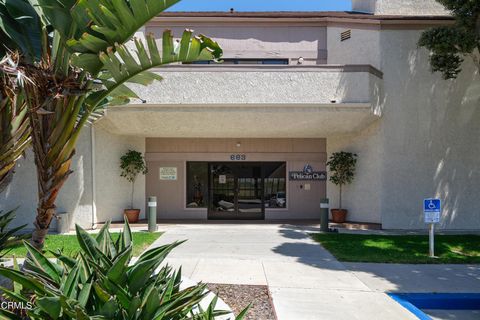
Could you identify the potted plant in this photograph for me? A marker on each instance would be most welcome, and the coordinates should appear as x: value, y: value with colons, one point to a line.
x: 132, y: 164
x: 342, y: 167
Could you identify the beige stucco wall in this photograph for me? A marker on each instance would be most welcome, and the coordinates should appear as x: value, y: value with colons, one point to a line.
x: 214, y: 85
x: 112, y: 191
x: 74, y: 198
x: 425, y: 144
x: 362, y: 48
x: 399, y: 7
x: 430, y: 136
x: 363, y: 197
x: 301, y: 203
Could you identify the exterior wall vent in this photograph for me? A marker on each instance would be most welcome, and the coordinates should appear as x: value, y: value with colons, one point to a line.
x: 345, y: 35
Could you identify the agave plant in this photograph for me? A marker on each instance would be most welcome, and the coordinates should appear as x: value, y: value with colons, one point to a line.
x: 9, y: 237
x: 76, y: 57
x: 104, y: 282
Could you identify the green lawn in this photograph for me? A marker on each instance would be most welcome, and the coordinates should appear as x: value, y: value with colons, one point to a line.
x: 69, y: 243
x: 401, y: 249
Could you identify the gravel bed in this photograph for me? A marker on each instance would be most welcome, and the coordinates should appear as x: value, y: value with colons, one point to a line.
x: 239, y: 296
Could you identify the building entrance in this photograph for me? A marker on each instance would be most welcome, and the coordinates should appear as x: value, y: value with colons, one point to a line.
x: 241, y: 191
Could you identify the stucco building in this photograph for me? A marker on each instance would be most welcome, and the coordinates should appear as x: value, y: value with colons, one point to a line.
x: 232, y: 140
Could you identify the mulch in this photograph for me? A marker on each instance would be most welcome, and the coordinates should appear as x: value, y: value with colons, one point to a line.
x: 239, y: 296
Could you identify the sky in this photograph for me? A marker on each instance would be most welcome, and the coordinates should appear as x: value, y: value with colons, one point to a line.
x: 262, y: 5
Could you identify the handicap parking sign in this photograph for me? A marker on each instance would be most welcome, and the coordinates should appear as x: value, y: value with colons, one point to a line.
x: 431, y: 210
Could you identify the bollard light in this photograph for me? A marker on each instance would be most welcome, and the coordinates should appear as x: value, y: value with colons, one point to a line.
x: 324, y: 206
x: 152, y: 214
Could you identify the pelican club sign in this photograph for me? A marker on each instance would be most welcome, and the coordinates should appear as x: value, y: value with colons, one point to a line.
x: 308, y: 174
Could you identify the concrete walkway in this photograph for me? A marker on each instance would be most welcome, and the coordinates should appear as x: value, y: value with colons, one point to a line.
x: 305, y: 281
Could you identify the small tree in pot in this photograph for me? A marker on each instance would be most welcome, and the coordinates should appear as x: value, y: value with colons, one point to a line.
x: 132, y: 164
x: 342, y: 167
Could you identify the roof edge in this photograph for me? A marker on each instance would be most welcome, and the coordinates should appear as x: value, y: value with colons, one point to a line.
x: 298, y: 15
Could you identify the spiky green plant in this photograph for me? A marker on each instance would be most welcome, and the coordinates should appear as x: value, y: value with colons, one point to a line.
x: 104, y: 282
x: 9, y: 237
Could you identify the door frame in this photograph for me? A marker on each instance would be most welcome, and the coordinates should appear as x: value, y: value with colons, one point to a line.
x: 235, y: 215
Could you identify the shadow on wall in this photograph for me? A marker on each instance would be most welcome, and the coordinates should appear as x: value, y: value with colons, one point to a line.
x: 432, y: 132
x: 75, y: 198
x: 457, y: 169
x: 22, y: 193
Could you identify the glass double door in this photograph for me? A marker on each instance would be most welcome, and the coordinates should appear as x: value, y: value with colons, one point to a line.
x: 236, y: 191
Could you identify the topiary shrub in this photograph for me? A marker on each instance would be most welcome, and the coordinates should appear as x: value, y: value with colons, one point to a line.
x: 342, y: 167
x: 132, y: 164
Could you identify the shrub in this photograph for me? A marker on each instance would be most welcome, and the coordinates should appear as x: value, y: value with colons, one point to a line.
x: 102, y: 282
x: 342, y: 165
x: 132, y: 164
x: 9, y: 237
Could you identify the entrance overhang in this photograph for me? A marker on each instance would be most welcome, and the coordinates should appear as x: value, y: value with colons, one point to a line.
x: 253, y: 102
x: 239, y: 121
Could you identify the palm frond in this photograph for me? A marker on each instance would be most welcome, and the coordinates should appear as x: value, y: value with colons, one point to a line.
x: 122, y: 65
x: 111, y: 22
x: 14, y: 127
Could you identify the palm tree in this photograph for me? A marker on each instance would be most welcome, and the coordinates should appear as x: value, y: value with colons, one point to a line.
x: 14, y: 127
x: 75, y: 57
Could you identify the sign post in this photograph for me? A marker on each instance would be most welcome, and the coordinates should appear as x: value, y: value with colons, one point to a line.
x: 431, y: 211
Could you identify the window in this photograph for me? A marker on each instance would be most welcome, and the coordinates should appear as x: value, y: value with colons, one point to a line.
x: 275, y: 185
x: 197, y: 184
x: 230, y: 61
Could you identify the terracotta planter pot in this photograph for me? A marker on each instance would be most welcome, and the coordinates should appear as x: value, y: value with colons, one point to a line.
x: 132, y: 215
x: 339, y: 215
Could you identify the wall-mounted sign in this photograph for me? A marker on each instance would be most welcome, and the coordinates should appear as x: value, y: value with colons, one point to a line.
x: 222, y: 179
x: 238, y: 157
x: 308, y: 174
x: 168, y: 173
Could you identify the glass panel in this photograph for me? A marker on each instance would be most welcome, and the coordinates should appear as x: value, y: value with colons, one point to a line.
x: 223, y: 189
x: 250, y: 195
x: 197, y: 184
x: 275, y: 185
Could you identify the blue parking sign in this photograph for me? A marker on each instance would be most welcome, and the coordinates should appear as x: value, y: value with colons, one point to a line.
x: 431, y: 210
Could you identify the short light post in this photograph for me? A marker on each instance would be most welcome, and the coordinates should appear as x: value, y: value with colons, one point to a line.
x: 152, y: 214
x: 324, y: 206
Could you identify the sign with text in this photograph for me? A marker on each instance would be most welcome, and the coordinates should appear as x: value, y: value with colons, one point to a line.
x: 222, y: 179
x: 431, y: 210
x: 307, y: 174
x: 168, y: 173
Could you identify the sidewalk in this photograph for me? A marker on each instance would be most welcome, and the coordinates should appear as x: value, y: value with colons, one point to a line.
x: 305, y: 281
